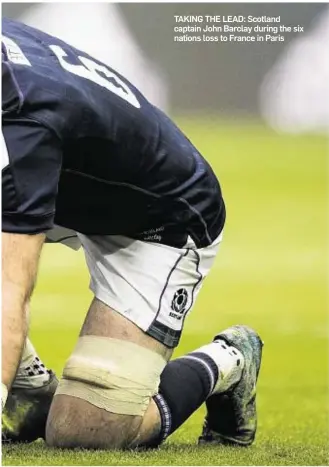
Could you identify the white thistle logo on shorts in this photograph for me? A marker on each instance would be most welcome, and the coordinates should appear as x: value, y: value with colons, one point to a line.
x: 178, y: 304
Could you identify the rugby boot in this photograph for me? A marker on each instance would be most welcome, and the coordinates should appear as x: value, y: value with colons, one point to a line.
x: 231, y: 416
x: 25, y: 414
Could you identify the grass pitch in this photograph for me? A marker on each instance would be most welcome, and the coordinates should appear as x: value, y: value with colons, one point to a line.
x: 271, y: 273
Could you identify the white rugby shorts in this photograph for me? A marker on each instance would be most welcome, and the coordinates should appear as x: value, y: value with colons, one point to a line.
x: 153, y: 285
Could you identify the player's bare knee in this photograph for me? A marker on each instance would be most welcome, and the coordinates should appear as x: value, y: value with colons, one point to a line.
x: 74, y: 422
x: 61, y: 422
x: 106, y: 388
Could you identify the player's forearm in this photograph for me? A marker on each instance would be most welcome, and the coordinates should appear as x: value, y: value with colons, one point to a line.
x: 14, y: 329
x: 20, y: 258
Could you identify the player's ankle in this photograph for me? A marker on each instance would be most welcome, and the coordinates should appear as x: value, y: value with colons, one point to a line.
x: 230, y: 363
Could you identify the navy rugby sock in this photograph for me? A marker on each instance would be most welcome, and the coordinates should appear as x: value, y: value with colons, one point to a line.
x: 185, y: 385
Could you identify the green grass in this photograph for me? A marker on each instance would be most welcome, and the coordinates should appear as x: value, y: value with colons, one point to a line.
x: 271, y: 273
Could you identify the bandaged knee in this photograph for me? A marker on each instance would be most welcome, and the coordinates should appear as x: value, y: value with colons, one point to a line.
x: 115, y: 375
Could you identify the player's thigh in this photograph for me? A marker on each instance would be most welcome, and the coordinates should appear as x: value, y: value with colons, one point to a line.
x: 104, y: 321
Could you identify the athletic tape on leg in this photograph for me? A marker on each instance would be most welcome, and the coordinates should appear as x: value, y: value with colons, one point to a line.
x: 115, y: 375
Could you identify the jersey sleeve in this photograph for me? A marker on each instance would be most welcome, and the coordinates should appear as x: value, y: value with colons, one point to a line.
x: 31, y: 164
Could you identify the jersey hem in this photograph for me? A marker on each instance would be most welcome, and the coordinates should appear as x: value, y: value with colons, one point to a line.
x: 13, y: 223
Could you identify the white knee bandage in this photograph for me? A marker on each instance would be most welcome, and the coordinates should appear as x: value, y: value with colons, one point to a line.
x: 112, y: 374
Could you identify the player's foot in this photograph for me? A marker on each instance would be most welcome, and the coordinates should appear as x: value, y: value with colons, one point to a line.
x: 231, y: 416
x: 25, y: 414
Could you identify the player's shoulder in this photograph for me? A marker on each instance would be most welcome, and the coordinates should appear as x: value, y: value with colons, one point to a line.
x: 51, y: 74
x: 31, y: 84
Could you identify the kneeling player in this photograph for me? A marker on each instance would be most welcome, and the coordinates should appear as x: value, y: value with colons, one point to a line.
x: 87, y: 152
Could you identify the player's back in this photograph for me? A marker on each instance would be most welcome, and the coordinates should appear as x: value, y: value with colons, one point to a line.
x: 74, y: 95
x: 124, y: 167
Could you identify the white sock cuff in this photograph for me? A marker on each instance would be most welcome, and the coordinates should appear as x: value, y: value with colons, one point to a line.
x: 31, y: 373
x: 230, y: 363
x: 4, y: 395
x: 28, y: 355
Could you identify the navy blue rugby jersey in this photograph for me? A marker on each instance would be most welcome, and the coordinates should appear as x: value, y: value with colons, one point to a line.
x: 86, y: 150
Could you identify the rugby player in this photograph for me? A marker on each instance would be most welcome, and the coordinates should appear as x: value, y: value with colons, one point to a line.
x: 86, y: 154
